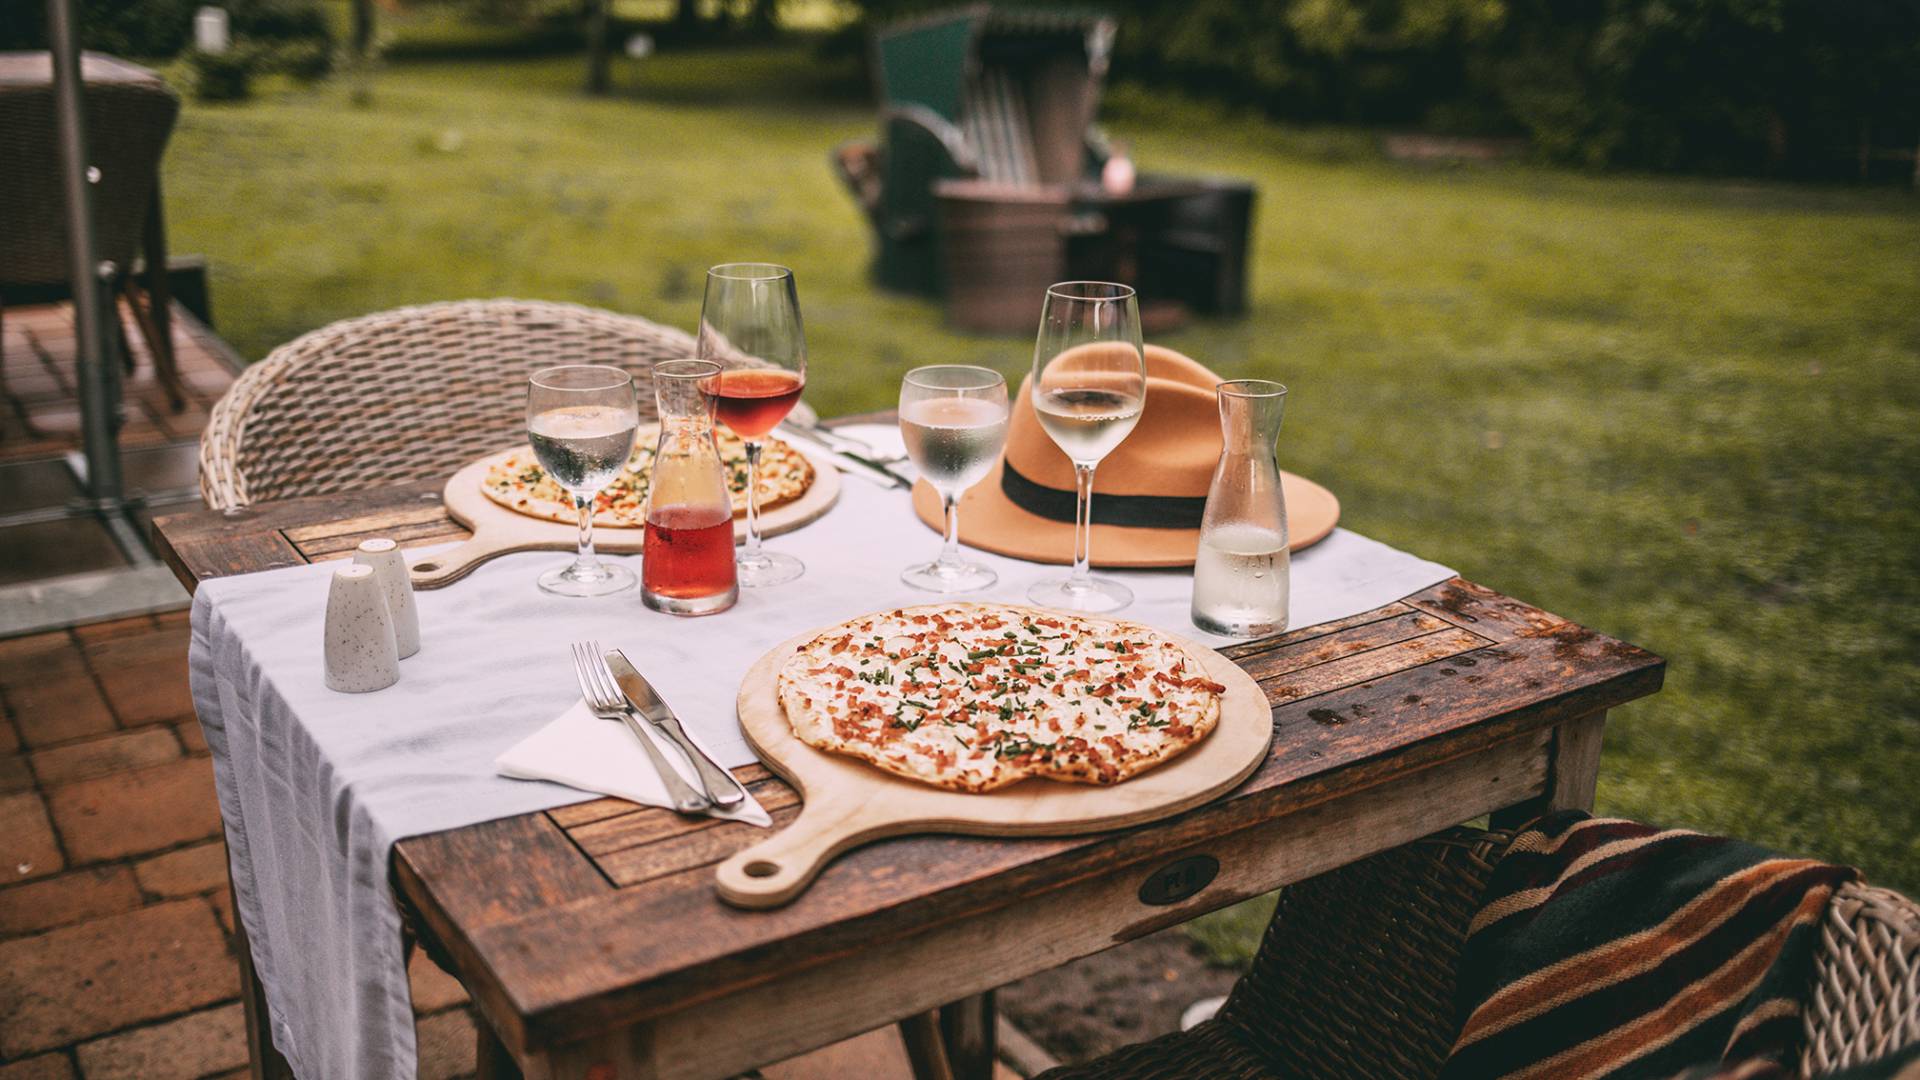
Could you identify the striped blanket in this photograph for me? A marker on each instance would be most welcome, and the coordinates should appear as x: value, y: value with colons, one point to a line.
x: 1608, y: 949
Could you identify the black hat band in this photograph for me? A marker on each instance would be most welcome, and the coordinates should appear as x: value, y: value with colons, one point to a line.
x: 1130, y: 511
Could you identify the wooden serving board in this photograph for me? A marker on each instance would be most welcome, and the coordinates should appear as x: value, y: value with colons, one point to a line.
x: 847, y: 802
x: 499, y: 531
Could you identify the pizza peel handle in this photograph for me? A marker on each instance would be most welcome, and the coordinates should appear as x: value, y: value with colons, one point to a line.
x: 446, y: 567
x: 779, y: 868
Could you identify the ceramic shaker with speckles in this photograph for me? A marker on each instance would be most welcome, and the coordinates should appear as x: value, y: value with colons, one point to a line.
x: 391, y: 568
x: 361, y: 654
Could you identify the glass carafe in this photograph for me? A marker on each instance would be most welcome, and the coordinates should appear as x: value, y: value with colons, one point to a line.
x: 1240, y: 577
x: 688, y: 566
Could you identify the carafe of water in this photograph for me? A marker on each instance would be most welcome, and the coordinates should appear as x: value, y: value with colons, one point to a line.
x: 687, y: 566
x: 1240, y: 577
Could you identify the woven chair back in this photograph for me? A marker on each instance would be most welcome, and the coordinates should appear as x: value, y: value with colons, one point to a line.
x: 1357, y: 974
x: 406, y: 395
x: 1866, y: 985
x: 129, y: 117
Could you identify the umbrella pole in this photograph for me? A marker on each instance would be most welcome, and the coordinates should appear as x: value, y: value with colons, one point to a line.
x: 99, y: 371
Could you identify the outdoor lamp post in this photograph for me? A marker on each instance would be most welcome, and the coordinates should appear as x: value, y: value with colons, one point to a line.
x: 98, y: 373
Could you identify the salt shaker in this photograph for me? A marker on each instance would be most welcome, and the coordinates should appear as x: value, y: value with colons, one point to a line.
x: 360, y: 650
x: 1241, y: 576
x: 390, y: 567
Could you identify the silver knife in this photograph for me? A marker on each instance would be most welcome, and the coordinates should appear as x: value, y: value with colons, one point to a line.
x: 849, y: 462
x: 720, y: 785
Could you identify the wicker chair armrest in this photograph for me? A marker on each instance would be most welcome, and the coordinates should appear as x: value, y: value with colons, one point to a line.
x: 1209, y: 1051
x: 1865, y: 1002
x: 1355, y: 976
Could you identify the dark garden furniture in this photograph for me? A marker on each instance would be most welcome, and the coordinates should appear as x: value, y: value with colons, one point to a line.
x: 129, y: 115
x: 1005, y: 99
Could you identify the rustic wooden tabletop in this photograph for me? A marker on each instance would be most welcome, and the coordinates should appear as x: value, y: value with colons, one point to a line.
x: 594, y: 945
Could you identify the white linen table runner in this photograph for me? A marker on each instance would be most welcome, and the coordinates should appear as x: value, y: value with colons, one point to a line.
x: 317, y: 786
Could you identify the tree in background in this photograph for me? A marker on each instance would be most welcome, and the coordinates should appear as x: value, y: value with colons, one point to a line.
x: 160, y: 29
x: 1352, y: 61
x: 1722, y: 85
x: 1746, y: 86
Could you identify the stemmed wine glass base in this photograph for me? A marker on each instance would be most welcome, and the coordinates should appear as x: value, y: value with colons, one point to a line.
x: 768, y: 568
x: 949, y: 577
x: 574, y: 579
x: 1093, y: 595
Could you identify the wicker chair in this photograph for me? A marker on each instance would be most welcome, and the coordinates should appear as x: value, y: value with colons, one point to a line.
x: 409, y: 394
x: 129, y: 114
x: 1356, y: 977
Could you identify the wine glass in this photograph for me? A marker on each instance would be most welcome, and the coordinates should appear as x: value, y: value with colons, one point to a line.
x: 953, y: 418
x: 581, y: 419
x: 1089, y: 385
x: 750, y: 326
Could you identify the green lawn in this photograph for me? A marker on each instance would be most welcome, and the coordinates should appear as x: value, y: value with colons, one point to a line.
x: 1683, y: 412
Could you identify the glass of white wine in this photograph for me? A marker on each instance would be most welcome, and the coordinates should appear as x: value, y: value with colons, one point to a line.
x: 581, y: 420
x: 953, y: 418
x: 1089, y: 386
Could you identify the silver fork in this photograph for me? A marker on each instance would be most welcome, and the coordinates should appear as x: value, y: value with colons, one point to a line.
x: 605, y: 700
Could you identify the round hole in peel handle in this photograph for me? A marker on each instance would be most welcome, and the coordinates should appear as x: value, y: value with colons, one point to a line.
x: 761, y: 868
x: 425, y: 567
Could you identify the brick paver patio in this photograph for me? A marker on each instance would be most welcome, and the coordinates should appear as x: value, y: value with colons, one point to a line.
x: 115, y: 922
x: 39, y: 410
x: 115, y: 925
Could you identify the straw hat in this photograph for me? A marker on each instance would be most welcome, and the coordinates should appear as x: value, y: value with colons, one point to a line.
x: 1148, y: 494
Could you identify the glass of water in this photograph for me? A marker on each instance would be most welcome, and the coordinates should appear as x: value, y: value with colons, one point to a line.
x: 1089, y: 386
x: 953, y: 418
x: 581, y: 420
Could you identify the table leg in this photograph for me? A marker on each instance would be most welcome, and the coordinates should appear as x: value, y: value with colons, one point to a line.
x: 926, y: 1047
x: 1572, y: 777
x: 967, y: 1026
x: 159, y: 289
x: 263, y: 1058
x: 491, y: 1059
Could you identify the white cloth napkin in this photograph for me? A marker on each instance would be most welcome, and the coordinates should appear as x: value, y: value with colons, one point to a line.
x: 581, y: 750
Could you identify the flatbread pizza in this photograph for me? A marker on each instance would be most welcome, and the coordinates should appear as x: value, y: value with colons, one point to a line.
x: 973, y: 697
x: 518, y: 482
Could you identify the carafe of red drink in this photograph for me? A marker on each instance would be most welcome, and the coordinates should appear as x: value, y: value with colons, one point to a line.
x: 688, y: 567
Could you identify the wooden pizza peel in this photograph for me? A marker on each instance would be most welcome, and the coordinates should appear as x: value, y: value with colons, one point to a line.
x: 498, y: 530
x: 847, y: 802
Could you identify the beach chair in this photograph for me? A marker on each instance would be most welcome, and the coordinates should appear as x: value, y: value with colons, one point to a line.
x: 987, y: 129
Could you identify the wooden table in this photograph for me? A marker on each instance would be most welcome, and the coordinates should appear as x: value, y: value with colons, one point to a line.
x: 591, y: 939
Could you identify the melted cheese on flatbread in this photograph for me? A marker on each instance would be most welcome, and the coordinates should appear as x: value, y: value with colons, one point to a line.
x: 977, y: 696
x: 519, y: 482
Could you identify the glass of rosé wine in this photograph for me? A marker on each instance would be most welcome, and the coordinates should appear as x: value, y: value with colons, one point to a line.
x: 750, y: 326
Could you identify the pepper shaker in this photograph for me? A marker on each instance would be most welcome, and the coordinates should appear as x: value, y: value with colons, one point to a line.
x: 360, y: 652
x: 391, y: 570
